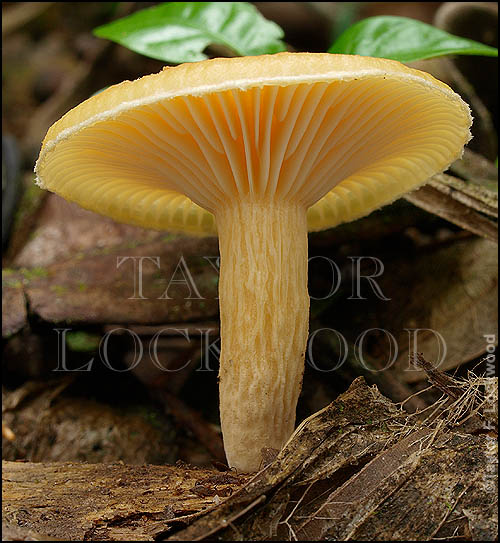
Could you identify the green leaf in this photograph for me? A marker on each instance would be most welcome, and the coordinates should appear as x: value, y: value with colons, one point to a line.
x: 404, y: 39
x: 178, y: 32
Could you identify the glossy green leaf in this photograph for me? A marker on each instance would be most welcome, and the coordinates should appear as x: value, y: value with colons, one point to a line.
x: 178, y: 32
x: 404, y: 39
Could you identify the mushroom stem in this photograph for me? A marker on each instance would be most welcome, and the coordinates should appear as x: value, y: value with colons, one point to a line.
x: 264, y: 310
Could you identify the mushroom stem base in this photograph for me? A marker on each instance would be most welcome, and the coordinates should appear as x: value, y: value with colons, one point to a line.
x: 264, y: 308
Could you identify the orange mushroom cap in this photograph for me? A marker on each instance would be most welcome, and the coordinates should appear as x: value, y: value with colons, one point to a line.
x: 343, y: 134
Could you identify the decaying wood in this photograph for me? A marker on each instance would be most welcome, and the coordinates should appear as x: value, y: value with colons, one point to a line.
x: 360, y: 469
x: 439, y: 379
x: 471, y: 403
x: 472, y: 195
x: 100, y: 287
x: 96, y: 502
x: 465, y: 205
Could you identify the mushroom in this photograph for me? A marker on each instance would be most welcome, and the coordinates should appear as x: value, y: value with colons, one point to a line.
x: 259, y: 150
